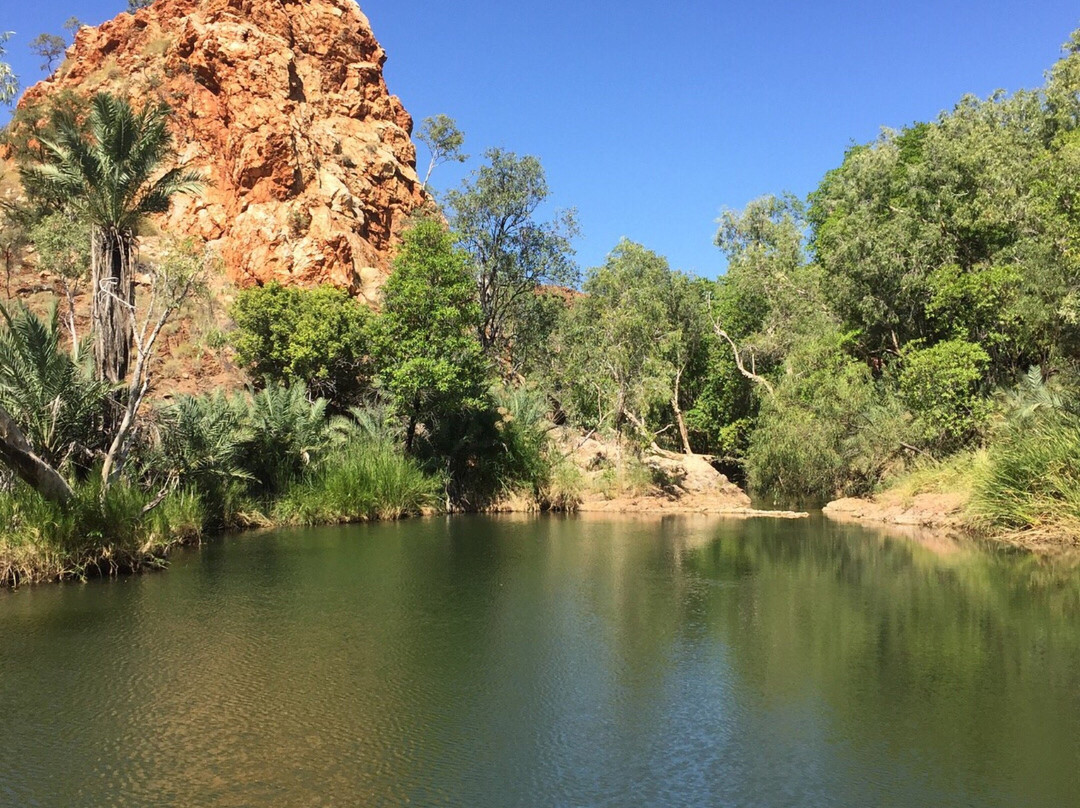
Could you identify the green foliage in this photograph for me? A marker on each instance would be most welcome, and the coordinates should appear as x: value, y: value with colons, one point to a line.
x: 424, y: 342
x: 49, y: 47
x: 315, y: 337
x: 629, y: 346
x: 101, y: 532
x: 955, y: 229
x: 73, y: 25
x: 444, y: 141
x: 284, y: 433
x: 364, y: 480
x: 108, y: 171
x: 940, y: 385
x: 62, y: 243
x: 49, y: 392
x: 533, y: 329
x: 494, y: 214
x: 239, y: 452
x: 828, y: 430
x: 9, y: 83
x: 496, y: 447
x: 202, y: 448
x: 1031, y: 481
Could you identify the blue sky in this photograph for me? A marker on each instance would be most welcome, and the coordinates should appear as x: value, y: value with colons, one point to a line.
x: 651, y: 118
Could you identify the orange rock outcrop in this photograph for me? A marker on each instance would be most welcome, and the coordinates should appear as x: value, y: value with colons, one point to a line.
x: 282, y: 105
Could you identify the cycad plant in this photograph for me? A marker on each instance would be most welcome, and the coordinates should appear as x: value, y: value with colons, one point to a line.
x: 201, y: 447
x: 285, y: 434
x: 49, y: 392
x: 112, y: 178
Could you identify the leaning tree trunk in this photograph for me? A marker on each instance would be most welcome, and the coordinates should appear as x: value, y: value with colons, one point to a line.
x: 18, y: 455
x: 113, y: 278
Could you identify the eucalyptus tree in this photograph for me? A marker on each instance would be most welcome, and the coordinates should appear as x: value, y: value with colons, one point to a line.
x: 631, y: 344
x: 444, y: 141
x: 112, y: 177
x: 514, y: 253
x: 9, y: 83
x: 50, y: 48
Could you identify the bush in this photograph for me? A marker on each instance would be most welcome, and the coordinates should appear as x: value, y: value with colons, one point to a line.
x: 283, y: 435
x: 47, y: 391
x: 202, y: 448
x: 490, y: 452
x: 314, y: 336
x: 366, y: 480
x: 1031, y: 480
x: 828, y: 429
x: 94, y: 533
x: 940, y: 385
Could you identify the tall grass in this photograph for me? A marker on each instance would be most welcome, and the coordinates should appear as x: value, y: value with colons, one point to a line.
x: 94, y: 534
x: 1031, y: 480
x: 363, y: 481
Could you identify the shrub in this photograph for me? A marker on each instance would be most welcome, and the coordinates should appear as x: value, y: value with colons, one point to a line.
x: 1031, y: 479
x: 829, y: 429
x: 365, y: 480
x: 48, y: 392
x: 940, y: 385
x: 489, y: 452
x: 202, y: 448
x: 95, y: 533
x: 314, y: 336
x: 284, y: 434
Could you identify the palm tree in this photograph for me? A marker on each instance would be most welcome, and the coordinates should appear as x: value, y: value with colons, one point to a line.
x: 111, y: 177
x: 47, y: 390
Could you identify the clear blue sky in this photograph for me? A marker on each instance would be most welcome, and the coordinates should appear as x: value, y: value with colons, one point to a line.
x: 650, y: 118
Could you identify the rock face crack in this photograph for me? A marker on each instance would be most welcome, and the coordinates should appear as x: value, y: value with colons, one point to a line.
x: 284, y: 107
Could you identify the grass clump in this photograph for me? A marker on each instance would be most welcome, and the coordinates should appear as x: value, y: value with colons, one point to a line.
x: 96, y: 533
x: 361, y: 482
x: 956, y: 474
x: 1030, y: 483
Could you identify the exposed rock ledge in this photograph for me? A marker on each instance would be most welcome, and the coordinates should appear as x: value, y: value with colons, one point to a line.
x: 682, y: 484
x: 933, y: 511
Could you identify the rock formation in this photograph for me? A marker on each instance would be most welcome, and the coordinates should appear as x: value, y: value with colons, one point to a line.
x: 282, y: 104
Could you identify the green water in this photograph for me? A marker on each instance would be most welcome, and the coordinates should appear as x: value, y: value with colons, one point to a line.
x: 550, y: 662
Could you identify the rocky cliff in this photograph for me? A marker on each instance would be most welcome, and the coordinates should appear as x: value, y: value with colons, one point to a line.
x: 283, y: 106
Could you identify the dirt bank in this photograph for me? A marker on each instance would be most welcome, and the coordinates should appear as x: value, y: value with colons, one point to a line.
x: 938, y: 511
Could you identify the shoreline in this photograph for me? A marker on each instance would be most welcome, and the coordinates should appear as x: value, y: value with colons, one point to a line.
x: 942, y: 515
x: 30, y: 567
x: 937, y: 515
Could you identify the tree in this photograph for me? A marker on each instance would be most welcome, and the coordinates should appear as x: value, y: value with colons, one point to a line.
x: 62, y: 243
x: 9, y: 83
x: 425, y: 345
x: 318, y: 337
x: 180, y: 275
x: 48, y: 391
x: 513, y: 253
x: 49, y: 47
x: 630, y: 342
x: 444, y: 141
x: 73, y: 25
x: 111, y: 179
x: 135, y: 5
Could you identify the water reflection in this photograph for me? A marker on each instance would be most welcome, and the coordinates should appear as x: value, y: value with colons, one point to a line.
x: 513, y: 661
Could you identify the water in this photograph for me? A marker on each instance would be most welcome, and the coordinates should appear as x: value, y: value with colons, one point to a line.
x: 550, y: 662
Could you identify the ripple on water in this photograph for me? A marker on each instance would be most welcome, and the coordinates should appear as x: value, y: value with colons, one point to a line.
x: 485, y: 662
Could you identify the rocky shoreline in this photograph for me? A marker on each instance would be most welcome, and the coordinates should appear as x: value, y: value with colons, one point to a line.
x: 942, y: 512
